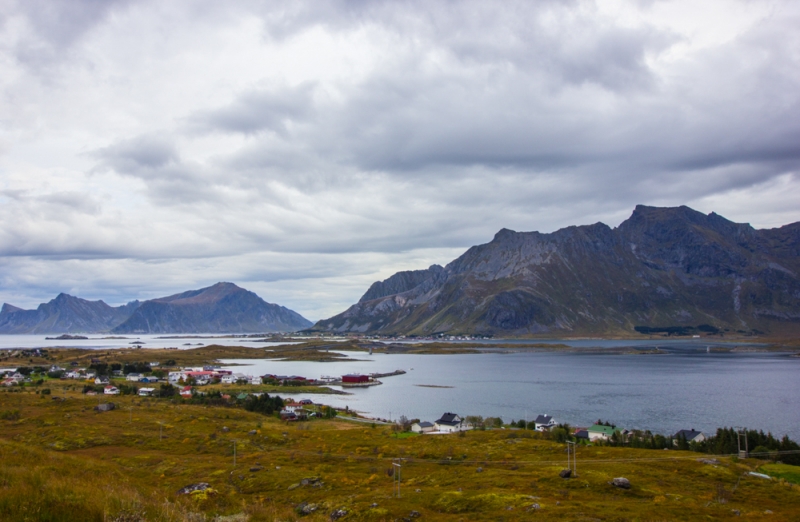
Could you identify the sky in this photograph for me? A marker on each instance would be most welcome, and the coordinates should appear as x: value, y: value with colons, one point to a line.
x: 305, y: 149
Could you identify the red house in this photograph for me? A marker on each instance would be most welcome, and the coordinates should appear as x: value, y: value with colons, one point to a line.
x: 356, y: 378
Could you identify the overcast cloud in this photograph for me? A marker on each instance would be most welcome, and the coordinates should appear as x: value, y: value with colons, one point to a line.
x: 306, y: 149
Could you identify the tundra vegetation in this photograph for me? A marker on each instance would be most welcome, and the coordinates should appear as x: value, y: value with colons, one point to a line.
x: 60, y: 459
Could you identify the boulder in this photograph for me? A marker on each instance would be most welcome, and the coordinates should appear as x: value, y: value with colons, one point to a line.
x: 305, y: 508
x: 108, y: 406
x: 621, y: 482
x: 200, y: 486
x: 565, y: 473
x: 337, y: 514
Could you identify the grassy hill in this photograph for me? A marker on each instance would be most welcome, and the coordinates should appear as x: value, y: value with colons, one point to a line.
x: 62, y: 460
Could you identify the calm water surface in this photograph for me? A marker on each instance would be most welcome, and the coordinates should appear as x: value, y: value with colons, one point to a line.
x: 686, y: 388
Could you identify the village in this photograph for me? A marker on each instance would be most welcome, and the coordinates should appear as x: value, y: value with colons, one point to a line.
x: 144, y: 379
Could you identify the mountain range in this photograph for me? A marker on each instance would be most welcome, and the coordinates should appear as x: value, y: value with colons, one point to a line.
x: 662, y: 271
x: 221, y: 308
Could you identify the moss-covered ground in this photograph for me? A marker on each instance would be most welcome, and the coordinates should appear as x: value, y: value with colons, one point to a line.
x: 62, y: 460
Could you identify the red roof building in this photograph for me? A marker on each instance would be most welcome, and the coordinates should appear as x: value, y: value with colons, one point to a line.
x: 352, y: 377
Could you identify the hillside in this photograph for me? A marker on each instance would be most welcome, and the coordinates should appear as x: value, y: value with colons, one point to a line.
x: 64, y: 461
x: 221, y: 308
x: 662, y: 271
x: 64, y: 314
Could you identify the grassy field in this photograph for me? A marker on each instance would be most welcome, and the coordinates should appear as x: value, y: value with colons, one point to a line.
x: 62, y: 460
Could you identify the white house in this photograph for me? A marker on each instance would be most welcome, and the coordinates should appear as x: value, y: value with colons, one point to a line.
x: 255, y: 381
x: 422, y: 427
x: 111, y: 390
x: 450, y: 422
x: 544, y: 422
x: 292, y: 406
x: 233, y: 378
x: 174, y: 377
x: 598, y: 431
x: 146, y: 392
x: 133, y: 377
x: 101, y: 380
x: 690, y: 436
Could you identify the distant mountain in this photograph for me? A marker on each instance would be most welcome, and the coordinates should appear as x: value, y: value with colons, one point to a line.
x: 64, y: 314
x: 221, y: 308
x: 662, y: 271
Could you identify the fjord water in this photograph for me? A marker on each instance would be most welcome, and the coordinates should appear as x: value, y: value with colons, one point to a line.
x: 685, y: 388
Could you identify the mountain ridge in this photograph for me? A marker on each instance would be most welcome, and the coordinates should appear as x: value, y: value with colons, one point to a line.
x: 220, y: 308
x: 662, y: 267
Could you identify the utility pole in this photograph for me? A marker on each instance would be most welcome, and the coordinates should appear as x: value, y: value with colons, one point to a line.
x: 572, y: 464
x: 741, y: 433
x: 396, y: 479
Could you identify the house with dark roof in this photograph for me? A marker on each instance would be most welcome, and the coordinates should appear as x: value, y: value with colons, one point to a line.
x: 544, y: 422
x: 422, y: 427
x: 689, y: 435
x: 450, y: 422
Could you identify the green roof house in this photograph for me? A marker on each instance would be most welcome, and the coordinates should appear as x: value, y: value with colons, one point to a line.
x: 598, y: 431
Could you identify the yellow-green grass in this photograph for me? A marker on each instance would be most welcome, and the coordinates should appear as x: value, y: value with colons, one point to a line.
x: 782, y: 471
x: 61, y: 460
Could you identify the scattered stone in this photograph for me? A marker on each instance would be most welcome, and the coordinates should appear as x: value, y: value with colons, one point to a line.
x: 768, y: 512
x: 414, y: 514
x: 534, y: 507
x: 314, y: 482
x: 200, y: 486
x: 565, y: 473
x: 305, y: 508
x: 294, y: 486
x: 713, y: 462
x: 373, y: 505
x: 108, y: 406
x: 479, y: 470
x: 252, y: 432
x: 417, y: 491
x: 621, y: 482
x: 225, y: 429
x: 255, y: 468
x: 277, y: 467
x: 337, y: 514
x: 736, y: 512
